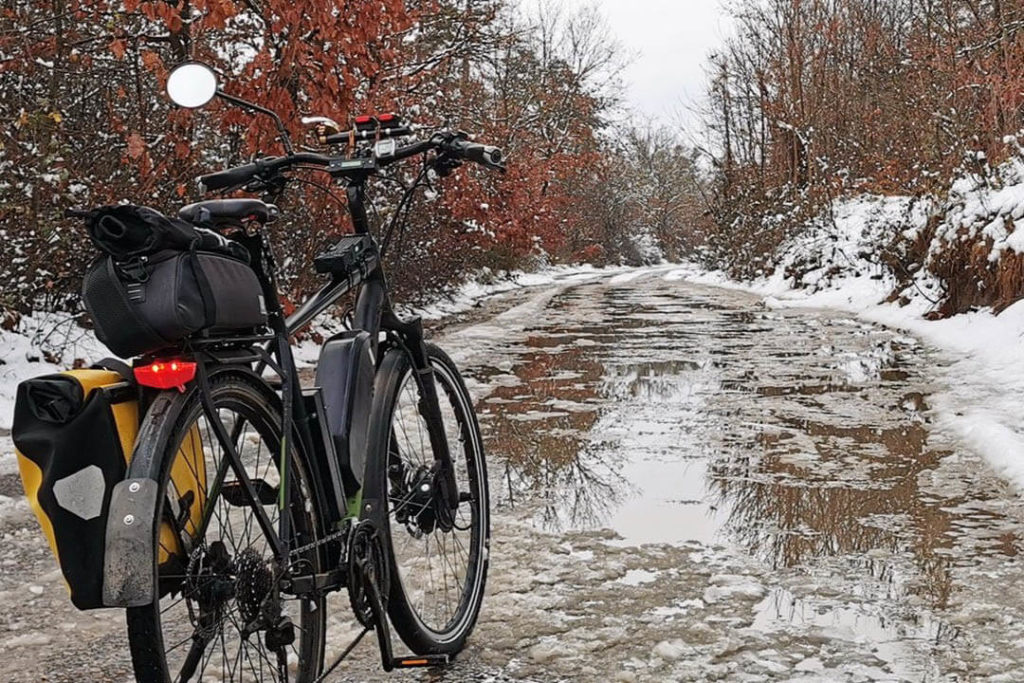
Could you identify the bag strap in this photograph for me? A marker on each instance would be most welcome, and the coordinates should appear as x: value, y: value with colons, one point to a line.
x: 115, y: 365
x: 205, y: 290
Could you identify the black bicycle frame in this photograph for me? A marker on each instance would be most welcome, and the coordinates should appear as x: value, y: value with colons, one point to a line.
x: 373, y: 314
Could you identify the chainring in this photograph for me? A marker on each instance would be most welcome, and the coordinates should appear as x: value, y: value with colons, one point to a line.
x: 366, y: 556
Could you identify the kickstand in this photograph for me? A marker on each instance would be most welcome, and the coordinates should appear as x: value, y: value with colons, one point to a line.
x: 380, y: 619
x: 380, y: 622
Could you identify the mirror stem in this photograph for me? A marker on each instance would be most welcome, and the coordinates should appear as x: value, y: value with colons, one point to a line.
x: 285, y: 139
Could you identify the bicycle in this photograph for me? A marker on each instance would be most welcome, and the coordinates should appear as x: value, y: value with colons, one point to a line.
x: 232, y: 576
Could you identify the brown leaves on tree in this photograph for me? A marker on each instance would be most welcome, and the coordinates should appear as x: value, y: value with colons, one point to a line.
x: 118, y: 46
x: 136, y: 145
x: 442, y: 63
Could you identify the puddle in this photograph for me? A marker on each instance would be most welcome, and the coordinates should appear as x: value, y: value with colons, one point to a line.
x: 674, y: 414
x: 892, y: 639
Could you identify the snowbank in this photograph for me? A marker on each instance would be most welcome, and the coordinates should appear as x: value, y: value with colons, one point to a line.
x: 31, y: 349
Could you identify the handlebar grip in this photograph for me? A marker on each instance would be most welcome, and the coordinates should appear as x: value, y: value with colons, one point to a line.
x: 486, y: 155
x: 229, y: 177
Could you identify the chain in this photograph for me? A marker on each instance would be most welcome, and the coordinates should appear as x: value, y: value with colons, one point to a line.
x: 319, y: 542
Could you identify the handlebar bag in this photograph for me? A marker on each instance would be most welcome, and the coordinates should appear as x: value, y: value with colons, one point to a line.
x: 153, y: 302
x: 73, y: 433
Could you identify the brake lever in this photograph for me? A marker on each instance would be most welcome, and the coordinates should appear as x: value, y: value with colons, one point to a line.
x: 267, y: 184
x: 444, y: 164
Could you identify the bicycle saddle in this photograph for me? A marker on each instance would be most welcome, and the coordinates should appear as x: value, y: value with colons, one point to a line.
x: 217, y: 210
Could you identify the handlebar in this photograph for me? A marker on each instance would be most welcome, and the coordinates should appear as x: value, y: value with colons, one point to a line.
x: 452, y: 144
x: 239, y: 175
x: 228, y: 178
x: 485, y: 155
x: 364, y: 135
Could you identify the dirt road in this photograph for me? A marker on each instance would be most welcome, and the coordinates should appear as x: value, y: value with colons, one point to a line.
x: 688, y: 486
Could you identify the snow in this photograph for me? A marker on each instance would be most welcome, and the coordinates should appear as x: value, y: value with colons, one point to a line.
x: 635, y: 577
x: 725, y: 586
x: 673, y: 649
x: 485, y: 284
x: 981, y: 359
x: 23, y: 351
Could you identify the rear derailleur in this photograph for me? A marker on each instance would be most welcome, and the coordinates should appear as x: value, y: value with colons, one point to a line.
x: 214, y: 578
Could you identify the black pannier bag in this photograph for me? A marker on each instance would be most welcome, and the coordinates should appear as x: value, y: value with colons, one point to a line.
x: 142, y: 300
x: 73, y: 432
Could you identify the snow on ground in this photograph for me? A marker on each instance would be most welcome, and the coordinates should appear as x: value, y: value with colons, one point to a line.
x: 28, y: 352
x: 984, y: 352
x: 486, y: 284
x: 24, y: 351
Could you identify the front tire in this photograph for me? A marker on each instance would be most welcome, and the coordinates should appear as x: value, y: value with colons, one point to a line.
x: 437, y: 575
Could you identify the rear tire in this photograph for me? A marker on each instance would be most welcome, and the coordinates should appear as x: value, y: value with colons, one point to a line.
x: 433, y: 601
x: 158, y: 634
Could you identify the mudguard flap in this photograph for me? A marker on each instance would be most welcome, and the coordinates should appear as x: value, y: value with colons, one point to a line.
x: 128, y: 576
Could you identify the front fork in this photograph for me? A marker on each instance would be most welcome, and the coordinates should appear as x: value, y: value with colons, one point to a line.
x: 411, y: 334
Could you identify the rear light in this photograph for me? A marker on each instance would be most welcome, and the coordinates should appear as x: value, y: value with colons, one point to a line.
x: 166, y: 374
x: 362, y: 120
x: 385, y: 118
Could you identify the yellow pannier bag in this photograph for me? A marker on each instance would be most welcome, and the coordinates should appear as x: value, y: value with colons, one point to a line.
x: 74, y: 433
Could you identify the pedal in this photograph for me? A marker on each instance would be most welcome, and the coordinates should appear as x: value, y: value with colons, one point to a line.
x: 352, y: 254
x: 425, y: 660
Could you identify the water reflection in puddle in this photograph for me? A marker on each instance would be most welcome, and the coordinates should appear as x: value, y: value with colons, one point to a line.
x: 675, y: 413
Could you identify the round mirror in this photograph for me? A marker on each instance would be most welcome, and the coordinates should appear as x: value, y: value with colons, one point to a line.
x: 191, y: 85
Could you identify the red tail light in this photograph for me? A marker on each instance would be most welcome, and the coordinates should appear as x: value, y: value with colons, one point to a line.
x: 385, y: 118
x: 361, y: 120
x: 166, y: 374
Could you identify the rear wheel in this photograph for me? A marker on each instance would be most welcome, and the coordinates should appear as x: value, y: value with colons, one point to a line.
x: 219, y: 612
x: 438, y: 562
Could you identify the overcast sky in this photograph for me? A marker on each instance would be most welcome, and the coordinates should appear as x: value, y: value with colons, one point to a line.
x: 671, y: 40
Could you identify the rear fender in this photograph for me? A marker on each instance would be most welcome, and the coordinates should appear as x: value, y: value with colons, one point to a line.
x: 130, y: 559
x: 129, y: 564
x: 128, y: 570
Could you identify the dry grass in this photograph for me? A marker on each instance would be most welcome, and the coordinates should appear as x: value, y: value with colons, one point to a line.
x: 975, y: 281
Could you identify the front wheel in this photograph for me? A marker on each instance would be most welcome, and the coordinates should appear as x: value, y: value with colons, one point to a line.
x: 438, y: 560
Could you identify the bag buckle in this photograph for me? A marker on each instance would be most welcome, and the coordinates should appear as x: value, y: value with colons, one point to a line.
x: 135, y: 269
